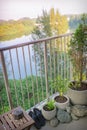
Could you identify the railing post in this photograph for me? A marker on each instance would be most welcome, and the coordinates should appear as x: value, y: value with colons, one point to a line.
x: 86, y: 67
x: 6, y: 79
x: 46, y: 69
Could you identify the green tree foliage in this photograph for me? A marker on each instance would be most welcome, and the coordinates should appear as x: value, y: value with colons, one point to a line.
x: 45, y: 20
x: 43, y: 28
x: 52, y: 18
x: 49, y: 24
x: 1, y: 79
x: 26, y: 93
x: 74, y: 21
x: 78, y: 49
x: 13, y: 29
x: 59, y: 23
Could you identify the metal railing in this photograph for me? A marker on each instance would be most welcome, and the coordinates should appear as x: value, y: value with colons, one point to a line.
x: 28, y: 69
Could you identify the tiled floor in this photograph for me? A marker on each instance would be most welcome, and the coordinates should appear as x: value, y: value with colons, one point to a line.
x: 80, y: 124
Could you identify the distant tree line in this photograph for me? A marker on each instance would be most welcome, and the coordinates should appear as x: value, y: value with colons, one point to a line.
x: 12, y: 29
x: 74, y: 21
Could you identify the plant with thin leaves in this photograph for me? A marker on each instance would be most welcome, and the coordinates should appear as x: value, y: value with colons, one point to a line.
x: 78, y: 50
x: 50, y: 105
x: 60, y: 84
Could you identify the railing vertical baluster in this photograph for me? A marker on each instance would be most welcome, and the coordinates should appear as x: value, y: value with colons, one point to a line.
x: 36, y: 76
x: 41, y: 72
x: 31, y: 74
x: 54, y: 53
x: 6, y: 80
x: 61, y: 46
x: 67, y: 59
x: 68, y: 62
x: 13, y: 77
x: 20, y: 79
x: 86, y: 66
x: 55, y: 58
x: 26, y: 76
x: 46, y: 68
x: 64, y: 58
x: 71, y: 67
x: 50, y: 49
x: 1, y: 104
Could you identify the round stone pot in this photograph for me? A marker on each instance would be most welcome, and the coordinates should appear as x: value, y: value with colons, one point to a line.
x: 48, y: 115
x: 77, y: 97
x: 62, y: 105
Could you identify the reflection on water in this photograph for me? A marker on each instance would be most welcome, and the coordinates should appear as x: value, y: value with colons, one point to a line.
x: 10, y: 37
x: 20, y: 58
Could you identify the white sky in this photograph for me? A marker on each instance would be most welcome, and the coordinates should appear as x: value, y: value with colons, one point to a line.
x: 15, y: 9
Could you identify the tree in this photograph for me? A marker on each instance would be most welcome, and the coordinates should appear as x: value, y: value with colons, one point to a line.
x: 45, y: 20
x: 52, y: 18
x: 59, y: 23
x: 49, y: 24
x: 78, y: 50
x: 43, y: 28
x: 75, y: 20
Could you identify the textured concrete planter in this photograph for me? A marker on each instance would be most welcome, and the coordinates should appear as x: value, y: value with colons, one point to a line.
x: 62, y: 105
x: 48, y: 115
x: 77, y: 97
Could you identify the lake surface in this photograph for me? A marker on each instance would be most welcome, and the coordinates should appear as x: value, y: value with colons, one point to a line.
x: 20, y: 56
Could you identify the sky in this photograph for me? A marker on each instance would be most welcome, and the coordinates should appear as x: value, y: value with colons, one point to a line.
x: 16, y: 9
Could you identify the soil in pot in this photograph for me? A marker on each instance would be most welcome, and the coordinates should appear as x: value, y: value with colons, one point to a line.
x: 60, y: 99
x: 78, y: 95
x: 82, y: 87
x: 61, y: 102
x: 46, y: 108
x: 48, y: 113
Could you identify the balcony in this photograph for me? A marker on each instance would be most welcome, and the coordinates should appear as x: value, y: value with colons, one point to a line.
x: 28, y: 69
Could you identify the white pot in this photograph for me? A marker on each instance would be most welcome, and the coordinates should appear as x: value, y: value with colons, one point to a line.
x: 48, y: 115
x: 77, y: 97
x: 62, y: 105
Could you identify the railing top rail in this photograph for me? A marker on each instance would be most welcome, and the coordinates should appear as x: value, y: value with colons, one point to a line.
x: 32, y: 42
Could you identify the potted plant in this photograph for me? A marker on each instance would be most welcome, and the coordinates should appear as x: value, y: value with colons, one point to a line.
x: 61, y: 100
x: 49, y: 110
x: 78, y: 54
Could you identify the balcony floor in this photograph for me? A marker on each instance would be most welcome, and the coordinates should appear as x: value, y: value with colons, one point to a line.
x: 80, y: 124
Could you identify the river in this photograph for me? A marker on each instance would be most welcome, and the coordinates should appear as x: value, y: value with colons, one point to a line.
x: 14, y: 57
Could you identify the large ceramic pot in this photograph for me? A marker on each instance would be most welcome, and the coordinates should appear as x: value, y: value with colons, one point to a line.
x: 77, y: 97
x: 48, y: 115
x: 62, y: 105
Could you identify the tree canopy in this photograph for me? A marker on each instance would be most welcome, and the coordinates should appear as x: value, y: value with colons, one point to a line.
x: 50, y: 24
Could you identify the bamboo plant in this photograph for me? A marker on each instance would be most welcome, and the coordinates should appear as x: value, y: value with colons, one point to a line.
x: 78, y: 50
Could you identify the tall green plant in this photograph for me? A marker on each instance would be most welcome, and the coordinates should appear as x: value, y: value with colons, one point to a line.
x: 78, y: 49
x: 60, y: 85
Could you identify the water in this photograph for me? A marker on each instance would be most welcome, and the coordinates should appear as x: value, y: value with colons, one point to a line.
x: 16, y: 41
x: 20, y: 56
